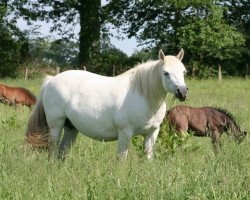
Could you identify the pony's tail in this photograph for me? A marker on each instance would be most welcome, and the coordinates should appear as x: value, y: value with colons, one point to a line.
x: 37, y: 134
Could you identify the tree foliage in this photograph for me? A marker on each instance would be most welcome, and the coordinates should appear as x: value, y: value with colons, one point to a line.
x: 9, y: 53
x: 155, y: 22
x: 199, y: 26
x: 13, y: 43
x: 237, y: 15
x: 210, y: 37
x: 54, y: 53
x: 63, y: 53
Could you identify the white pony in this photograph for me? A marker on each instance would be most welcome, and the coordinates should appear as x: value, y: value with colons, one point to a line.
x: 106, y: 108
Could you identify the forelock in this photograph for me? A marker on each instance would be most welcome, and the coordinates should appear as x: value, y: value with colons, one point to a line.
x: 173, y: 63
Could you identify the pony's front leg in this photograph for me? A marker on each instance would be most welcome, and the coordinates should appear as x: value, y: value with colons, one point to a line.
x: 124, y: 138
x: 216, y: 141
x: 149, y: 141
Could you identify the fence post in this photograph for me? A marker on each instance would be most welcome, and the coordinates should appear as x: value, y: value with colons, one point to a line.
x: 193, y: 72
x: 219, y: 73
x: 84, y: 68
x: 114, y: 70
x: 247, y: 71
x: 57, y: 70
x: 26, y: 73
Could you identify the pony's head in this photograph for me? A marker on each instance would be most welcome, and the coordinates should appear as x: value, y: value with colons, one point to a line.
x: 240, y: 136
x: 243, y: 136
x: 172, y: 74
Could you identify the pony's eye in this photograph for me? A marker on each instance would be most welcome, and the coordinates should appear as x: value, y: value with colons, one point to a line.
x: 166, y: 73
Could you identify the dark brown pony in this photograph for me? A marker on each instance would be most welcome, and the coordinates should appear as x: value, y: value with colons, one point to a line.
x: 206, y: 121
x: 16, y: 96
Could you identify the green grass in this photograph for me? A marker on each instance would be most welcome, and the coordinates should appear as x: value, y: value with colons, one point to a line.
x: 91, y: 171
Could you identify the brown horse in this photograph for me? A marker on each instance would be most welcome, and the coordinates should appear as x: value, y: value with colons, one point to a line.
x: 16, y: 96
x: 206, y: 121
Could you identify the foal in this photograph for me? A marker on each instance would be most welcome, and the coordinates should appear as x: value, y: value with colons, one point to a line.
x: 16, y: 96
x: 206, y: 121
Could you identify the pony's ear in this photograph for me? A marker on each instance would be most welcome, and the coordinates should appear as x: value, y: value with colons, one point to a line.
x: 180, y: 55
x: 161, y: 55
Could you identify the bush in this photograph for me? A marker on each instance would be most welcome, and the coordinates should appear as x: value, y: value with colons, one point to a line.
x: 167, y: 143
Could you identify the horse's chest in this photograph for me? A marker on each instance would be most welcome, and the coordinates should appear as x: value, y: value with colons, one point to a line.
x: 142, y: 122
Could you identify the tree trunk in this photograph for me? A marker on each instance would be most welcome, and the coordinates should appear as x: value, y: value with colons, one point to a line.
x: 90, y: 25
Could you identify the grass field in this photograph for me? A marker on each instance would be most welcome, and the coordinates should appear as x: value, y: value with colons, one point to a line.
x: 91, y: 171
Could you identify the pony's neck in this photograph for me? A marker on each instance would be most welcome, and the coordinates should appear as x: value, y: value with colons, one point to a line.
x: 147, y: 80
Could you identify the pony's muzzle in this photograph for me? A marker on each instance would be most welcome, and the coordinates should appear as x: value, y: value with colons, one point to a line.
x: 242, y: 137
x: 181, y: 93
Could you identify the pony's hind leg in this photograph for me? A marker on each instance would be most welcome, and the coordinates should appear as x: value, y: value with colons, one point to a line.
x: 55, y: 135
x: 68, y: 139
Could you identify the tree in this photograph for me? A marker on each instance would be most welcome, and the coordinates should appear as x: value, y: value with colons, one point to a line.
x: 175, y: 24
x: 155, y: 22
x: 211, y: 38
x: 62, y: 53
x: 49, y: 52
x: 13, y: 43
x: 237, y: 15
x: 9, y: 55
x: 65, y: 15
x: 110, y: 61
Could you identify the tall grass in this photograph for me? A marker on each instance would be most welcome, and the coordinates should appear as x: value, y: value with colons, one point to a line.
x: 91, y: 170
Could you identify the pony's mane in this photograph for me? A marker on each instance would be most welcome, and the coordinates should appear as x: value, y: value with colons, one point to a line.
x: 146, y: 78
x: 228, y: 114
x: 28, y: 92
x: 130, y: 71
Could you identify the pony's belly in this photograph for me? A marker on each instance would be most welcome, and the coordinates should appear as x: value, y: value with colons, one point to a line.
x: 98, y: 131
x: 106, y: 135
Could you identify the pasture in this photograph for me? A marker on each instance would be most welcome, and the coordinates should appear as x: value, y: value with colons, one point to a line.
x: 91, y: 170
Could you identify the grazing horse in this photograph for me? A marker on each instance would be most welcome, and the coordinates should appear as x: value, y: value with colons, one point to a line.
x: 106, y: 108
x: 203, y: 122
x: 16, y: 96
